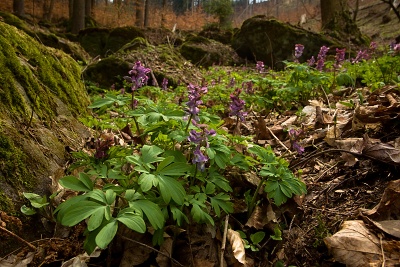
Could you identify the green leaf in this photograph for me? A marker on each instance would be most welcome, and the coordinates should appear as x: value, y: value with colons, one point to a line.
x: 132, y: 220
x: 151, y: 210
x: 277, y: 234
x: 174, y: 169
x: 27, y: 210
x: 98, y: 195
x: 102, y: 102
x: 107, y: 234
x: 78, y: 213
x: 85, y: 179
x: 73, y: 183
x: 36, y: 200
x: 110, y: 196
x: 200, y: 216
x: 164, y: 163
x: 210, y: 189
x: 147, y: 181
x: 171, y: 188
x: 221, y: 200
x: 96, y: 219
x: 257, y: 237
x: 278, y: 196
x: 150, y: 154
x: 178, y: 215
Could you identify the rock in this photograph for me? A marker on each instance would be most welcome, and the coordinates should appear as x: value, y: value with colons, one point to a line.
x: 206, y: 52
x: 41, y: 96
x: 272, y: 41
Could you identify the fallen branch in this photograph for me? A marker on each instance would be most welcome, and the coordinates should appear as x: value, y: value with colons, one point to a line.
x: 19, y: 238
x: 149, y: 247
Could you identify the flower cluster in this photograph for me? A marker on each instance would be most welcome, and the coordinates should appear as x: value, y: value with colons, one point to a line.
x: 194, y: 102
x: 298, y: 51
x: 294, y: 136
x: 200, y: 139
x: 260, y: 66
x: 395, y: 47
x: 164, y: 84
x: 237, y: 105
x: 339, y: 58
x: 139, y: 76
x: 248, y: 87
x: 321, y: 58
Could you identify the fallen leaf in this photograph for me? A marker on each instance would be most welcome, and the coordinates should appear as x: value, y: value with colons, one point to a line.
x: 389, y: 206
x: 391, y: 227
x: 382, y: 152
x: 16, y: 261
x: 237, y: 246
x: 354, y: 245
x: 166, y: 248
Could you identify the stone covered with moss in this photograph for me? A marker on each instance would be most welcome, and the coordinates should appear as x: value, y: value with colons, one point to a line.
x: 272, y: 41
x: 206, y: 52
x: 41, y: 94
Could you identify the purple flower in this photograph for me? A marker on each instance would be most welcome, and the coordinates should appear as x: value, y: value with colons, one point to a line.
x: 164, y: 84
x: 298, y: 147
x: 362, y: 54
x: 373, y: 46
x: 340, y: 54
x: 311, y: 61
x: 231, y: 83
x: 199, y: 159
x: 138, y: 75
x: 237, y: 105
x: 194, y: 96
x: 260, y: 66
x: 298, y: 51
x: 248, y: 87
x: 321, y: 58
x: 294, y: 136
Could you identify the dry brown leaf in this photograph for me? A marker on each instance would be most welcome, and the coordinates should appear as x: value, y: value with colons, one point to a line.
x: 391, y: 227
x: 16, y: 261
x: 261, y: 216
x: 203, y: 263
x: 354, y: 245
x: 166, y: 248
x: 237, y: 246
x: 383, y: 152
x: 389, y: 206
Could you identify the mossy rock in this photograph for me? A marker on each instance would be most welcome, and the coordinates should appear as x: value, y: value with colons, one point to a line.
x: 206, y: 52
x: 118, y: 37
x: 217, y: 34
x: 163, y: 60
x: 107, y: 71
x: 94, y: 40
x: 46, y: 37
x: 272, y: 41
x: 42, y: 95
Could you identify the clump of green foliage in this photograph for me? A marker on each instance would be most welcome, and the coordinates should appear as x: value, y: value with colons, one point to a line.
x: 173, y: 170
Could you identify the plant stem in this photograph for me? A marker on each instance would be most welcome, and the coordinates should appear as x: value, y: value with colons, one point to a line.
x: 254, y: 198
x: 138, y: 129
x: 189, y: 120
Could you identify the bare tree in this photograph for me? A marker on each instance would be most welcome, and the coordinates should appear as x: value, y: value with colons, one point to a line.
x: 146, y: 13
x: 18, y: 7
x: 139, y: 13
x: 48, y: 6
x: 78, y: 16
x: 393, y: 5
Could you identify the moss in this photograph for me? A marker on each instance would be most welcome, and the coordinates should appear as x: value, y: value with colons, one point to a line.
x: 6, y: 204
x: 118, y: 37
x: 13, y: 165
x: 42, y: 73
x: 94, y: 40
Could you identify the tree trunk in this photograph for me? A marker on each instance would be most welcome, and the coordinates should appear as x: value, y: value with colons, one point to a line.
x: 78, y: 16
x: 18, y: 8
x: 147, y: 13
x: 48, y: 7
x: 139, y: 13
x: 164, y: 10
x: 88, y: 8
x: 337, y: 21
x: 70, y: 8
x: 330, y: 9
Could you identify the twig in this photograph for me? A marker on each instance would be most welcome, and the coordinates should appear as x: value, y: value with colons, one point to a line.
x: 279, y: 141
x: 333, y: 150
x: 221, y: 261
x: 19, y: 238
x: 149, y: 247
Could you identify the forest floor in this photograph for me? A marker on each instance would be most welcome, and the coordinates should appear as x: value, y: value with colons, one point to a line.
x: 341, y: 186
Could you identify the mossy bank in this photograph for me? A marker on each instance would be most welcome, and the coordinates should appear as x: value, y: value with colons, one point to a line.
x: 41, y: 95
